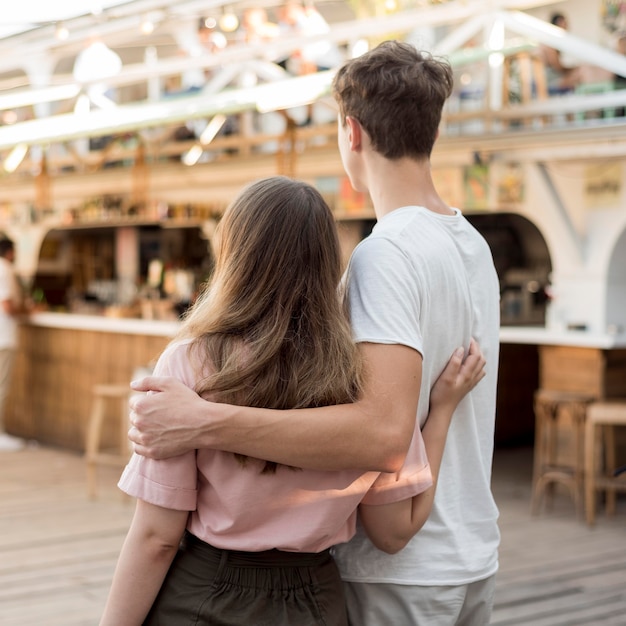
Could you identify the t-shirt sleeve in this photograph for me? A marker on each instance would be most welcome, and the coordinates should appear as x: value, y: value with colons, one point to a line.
x: 169, y: 483
x: 414, y: 477
x: 382, y: 288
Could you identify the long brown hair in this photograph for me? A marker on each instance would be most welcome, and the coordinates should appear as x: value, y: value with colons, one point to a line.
x: 270, y: 328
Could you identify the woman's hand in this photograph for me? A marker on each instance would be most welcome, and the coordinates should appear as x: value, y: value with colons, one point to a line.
x: 460, y: 376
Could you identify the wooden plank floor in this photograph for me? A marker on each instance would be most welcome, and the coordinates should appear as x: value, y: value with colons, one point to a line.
x: 58, y: 549
x: 554, y: 570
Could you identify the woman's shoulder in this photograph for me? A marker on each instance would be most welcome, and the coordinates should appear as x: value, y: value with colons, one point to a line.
x: 176, y: 360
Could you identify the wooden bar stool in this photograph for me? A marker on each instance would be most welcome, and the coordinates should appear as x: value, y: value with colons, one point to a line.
x: 94, y: 455
x: 557, y: 413
x: 600, y: 465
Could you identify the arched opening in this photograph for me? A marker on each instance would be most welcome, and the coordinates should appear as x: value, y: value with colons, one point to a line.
x: 522, y: 260
x: 523, y: 264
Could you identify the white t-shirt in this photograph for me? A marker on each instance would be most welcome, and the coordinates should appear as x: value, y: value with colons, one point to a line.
x: 428, y: 281
x: 9, y: 290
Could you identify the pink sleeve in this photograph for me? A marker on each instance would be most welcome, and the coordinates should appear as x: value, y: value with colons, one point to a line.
x: 170, y: 483
x: 414, y: 477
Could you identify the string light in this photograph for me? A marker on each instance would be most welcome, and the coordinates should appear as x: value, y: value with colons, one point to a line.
x: 229, y: 21
x: 150, y: 20
x: 61, y: 31
x: 147, y: 26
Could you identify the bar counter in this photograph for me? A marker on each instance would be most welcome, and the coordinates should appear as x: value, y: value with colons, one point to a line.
x: 60, y: 359
x: 540, y: 336
x: 62, y: 356
x: 560, y: 360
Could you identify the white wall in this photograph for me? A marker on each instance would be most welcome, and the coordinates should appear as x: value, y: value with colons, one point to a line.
x: 585, y: 19
x: 587, y: 246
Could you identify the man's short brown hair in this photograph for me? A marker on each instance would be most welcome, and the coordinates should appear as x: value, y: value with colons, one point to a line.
x: 397, y: 94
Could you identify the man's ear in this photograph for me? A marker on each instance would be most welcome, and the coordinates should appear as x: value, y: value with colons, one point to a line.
x: 354, y: 133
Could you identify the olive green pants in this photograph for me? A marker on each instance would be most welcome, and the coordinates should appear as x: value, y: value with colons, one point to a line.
x: 209, y: 586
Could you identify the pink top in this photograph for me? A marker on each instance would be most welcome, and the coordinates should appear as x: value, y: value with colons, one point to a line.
x: 236, y: 507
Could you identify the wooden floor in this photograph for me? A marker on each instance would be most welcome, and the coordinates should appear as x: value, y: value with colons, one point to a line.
x: 58, y: 549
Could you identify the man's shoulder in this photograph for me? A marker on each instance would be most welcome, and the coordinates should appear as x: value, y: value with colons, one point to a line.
x: 376, y: 250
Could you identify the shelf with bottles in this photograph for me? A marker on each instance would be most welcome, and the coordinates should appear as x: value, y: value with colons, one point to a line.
x: 111, y: 270
x: 111, y: 210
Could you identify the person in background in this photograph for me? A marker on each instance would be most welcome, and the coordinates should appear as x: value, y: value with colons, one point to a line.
x: 560, y: 78
x: 619, y: 82
x: 422, y: 283
x: 305, y: 20
x: 269, y: 331
x: 256, y: 26
x: 11, y: 307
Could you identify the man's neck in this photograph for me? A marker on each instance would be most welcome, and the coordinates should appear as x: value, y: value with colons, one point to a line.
x: 400, y: 183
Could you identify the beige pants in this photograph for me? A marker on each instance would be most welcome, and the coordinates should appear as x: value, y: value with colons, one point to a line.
x: 7, y: 358
x: 384, y: 604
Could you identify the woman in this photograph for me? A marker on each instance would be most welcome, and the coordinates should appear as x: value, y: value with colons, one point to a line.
x: 269, y: 331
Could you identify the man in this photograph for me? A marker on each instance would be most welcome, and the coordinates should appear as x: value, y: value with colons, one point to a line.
x: 421, y: 284
x: 10, y: 308
x: 561, y: 79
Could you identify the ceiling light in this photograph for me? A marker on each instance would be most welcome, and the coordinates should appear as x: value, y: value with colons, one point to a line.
x: 192, y: 156
x: 15, y: 157
x: 147, y: 26
x: 212, y: 128
x: 96, y: 62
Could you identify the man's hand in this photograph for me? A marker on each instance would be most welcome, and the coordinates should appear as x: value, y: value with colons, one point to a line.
x: 165, y: 422
x: 371, y: 434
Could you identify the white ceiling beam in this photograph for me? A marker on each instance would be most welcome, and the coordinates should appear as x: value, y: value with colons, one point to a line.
x: 339, y: 33
x: 125, y: 17
x: 461, y: 35
x: 127, y: 118
x: 555, y: 37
